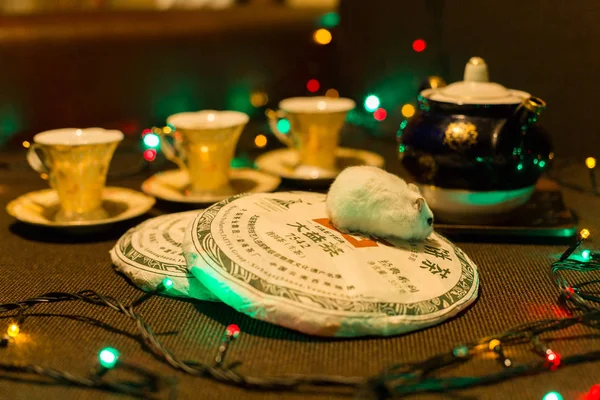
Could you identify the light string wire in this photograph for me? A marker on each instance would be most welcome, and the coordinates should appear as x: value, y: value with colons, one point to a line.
x: 397, y: 380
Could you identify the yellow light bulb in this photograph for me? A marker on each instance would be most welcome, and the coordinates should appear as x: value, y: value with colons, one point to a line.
x: 493, y: 344
x: 258, y: 99
x: 26, y: 144
x: 260, y: 141
x: 334, y: 94
x: 270, y: 114
x: 167, y: 129
x: 322, y: 36
x: 590, y: 162
x: 13, y: 330
x: 551, y: 156
x: 408, y: 110
x: 584, y: 233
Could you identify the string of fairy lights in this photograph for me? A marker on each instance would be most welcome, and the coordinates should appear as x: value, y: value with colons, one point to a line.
x: 396, y: 380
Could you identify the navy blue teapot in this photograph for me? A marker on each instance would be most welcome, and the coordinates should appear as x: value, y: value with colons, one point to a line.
x: 474, y: 148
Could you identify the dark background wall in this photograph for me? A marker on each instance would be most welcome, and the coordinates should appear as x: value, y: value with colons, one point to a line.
x: 131, y: 70
x: 549, y: 48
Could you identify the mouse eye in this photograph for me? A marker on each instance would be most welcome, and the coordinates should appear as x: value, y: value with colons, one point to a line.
x: 430, y: 221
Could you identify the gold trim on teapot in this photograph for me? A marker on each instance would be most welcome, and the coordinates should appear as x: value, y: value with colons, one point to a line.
x: 460, y: 136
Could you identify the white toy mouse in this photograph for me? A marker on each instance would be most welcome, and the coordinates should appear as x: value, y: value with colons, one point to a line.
x: 372, y: 201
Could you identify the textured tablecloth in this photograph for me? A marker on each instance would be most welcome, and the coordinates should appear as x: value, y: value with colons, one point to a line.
x: 515, y: 288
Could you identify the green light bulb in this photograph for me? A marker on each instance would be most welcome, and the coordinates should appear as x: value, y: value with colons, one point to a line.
x: 167, y: 283
x: 330, y: 20
x: 542, y: 164
x: 552, y: 396
x: 586, y: 254
x: 151, y: 140
x: 520, y: 166
x: 283, y: 125
x: 401, y: 148
x: 108, y: 357
x: 372, y: 103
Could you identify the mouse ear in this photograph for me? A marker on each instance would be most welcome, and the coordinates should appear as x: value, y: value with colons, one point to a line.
x: 413, y: 188
x: 419, y: 204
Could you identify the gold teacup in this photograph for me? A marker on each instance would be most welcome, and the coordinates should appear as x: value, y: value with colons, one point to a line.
x: 315, y: 124
x: 76, y: 162
x: 204, y: 145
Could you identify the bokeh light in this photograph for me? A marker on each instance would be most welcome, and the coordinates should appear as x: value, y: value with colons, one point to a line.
x: 380, y: 114
x: 258, y: 99
x: 552, y: 396
x: 322, y: 36
x: 419, y: 45
x: 26, y: 144
x: 260, y: 141
x: 372, y: 103
x: 283, y: 125
x: 151, y: 140
x: 334, y: 94
x: 330, y: 20
x: 590, y: 162
x: 313, y: 85
x: 150, y: 155
x: 408, y: 110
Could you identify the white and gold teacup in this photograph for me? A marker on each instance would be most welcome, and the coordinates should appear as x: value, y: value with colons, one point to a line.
x: 315, y: 125
x: 76, y: 162
x: 204, y: 145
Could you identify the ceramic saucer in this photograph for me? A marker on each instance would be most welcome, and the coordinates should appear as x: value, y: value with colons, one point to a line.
x: 40, y: 207
x: 172, y: 186
x: 283, y: 163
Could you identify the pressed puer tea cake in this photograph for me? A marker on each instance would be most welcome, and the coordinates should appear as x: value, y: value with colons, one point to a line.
x: 277, y: 257
x: 151, y: 252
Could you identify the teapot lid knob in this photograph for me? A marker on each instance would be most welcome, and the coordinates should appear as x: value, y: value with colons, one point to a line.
x: 476, y: 70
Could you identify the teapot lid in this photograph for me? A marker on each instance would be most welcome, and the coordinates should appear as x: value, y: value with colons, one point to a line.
x: 476, y: 88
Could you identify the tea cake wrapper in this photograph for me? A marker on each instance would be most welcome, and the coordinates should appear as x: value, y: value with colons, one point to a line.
x: 151, y: 251
x: 277, y: 258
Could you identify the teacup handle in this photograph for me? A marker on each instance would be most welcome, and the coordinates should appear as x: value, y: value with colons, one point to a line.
x: 35, y: 161
x: 169, y: 150
x: 273, y: 118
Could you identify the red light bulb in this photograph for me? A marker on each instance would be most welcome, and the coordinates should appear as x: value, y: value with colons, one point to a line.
x: 313, y: 85
x: 150, y: 155
x: 380, y: 114
x: 146, y: 131
x: 553, y: 358
x: 594, y: 393
x: 419, y: 45
x: 233, y: 330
